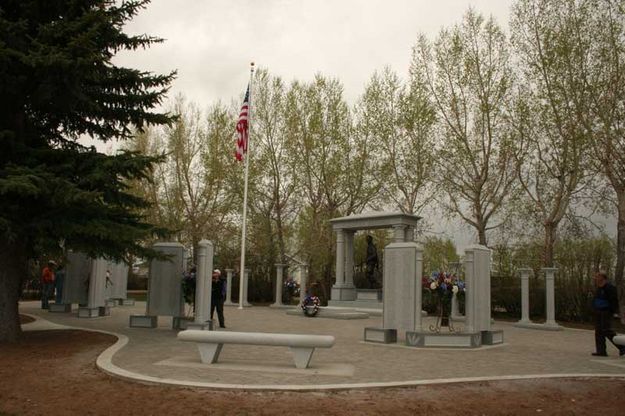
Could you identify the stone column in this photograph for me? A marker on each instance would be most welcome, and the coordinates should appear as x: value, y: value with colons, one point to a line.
x: 244, y: 282
x: 399, y: 233
x: 303, y: 281
x: 203, y: 282
x: 550, y: 297
x: 349, y: 259
x: 524, y: 273
x: 340, y: 290
x: 229, y: 287
x: 340, y: 259
x: 279, y: 284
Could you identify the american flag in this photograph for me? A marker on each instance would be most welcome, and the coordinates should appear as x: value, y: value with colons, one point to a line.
x: 243, y: 127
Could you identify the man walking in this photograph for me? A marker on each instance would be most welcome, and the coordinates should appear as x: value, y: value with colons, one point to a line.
x: 605, y: 305
x: 217, y: 298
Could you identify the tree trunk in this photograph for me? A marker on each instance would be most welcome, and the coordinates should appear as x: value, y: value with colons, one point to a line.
x: 550, y: 241
x: 481, y: 233
x: 619, y: 279
x: 13, y: 267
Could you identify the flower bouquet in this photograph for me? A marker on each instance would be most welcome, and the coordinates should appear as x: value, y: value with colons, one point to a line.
x: 443, y: 286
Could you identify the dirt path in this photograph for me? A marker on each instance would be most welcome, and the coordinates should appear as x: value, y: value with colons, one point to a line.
x: 54, y: 373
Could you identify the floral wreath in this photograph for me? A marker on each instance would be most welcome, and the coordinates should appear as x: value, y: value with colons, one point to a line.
x: 310, y: 305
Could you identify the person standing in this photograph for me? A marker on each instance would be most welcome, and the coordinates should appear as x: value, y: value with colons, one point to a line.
x: 605, y: 305
x: 217, y: 298
x: 59, y: 280
x: 47, y: 283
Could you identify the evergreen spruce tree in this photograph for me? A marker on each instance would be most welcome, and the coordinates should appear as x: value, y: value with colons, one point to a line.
x: 57, y: 84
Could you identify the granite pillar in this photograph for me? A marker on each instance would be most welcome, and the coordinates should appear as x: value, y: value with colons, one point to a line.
x: 477, y: 294
x: 403, y: 268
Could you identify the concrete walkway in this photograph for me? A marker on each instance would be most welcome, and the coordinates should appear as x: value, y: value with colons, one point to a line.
x: 155, y: 355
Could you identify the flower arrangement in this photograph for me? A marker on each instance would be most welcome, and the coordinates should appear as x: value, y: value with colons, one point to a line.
x: 310, y: 305
x: 443, y: 284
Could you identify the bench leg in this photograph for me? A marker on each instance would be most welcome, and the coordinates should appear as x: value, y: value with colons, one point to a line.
x: 302, y: 356
x: 209, y: 353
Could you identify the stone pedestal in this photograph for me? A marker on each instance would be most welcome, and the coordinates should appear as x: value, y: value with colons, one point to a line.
x: 381, y: 335
x: 143, y: 321
x: 279, y: 284
x: 86, y: 312
x: 369, y: 295
x: 403, y: 265
x: 444, y: 340
x: 60, y: 307
x: 228, y: 301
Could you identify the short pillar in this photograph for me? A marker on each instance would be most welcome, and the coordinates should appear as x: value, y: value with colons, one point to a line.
x: 279, y: 284
x: 550, y: 297
x: 229, y: 287
x: 524, y: 274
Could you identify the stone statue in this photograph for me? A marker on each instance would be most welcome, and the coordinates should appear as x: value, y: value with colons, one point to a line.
x: 372, y: 262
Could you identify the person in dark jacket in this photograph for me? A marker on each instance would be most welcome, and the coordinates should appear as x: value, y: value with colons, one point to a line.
x: 604, y: 305
x: 217, y: 298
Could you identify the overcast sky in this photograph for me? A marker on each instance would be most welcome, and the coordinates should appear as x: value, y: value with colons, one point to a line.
x: 212, y: 42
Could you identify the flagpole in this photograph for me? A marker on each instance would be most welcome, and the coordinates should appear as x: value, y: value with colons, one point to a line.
x: 247, y: 164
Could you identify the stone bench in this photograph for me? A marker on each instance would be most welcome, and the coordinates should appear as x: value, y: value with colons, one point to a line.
x: 209, y: 343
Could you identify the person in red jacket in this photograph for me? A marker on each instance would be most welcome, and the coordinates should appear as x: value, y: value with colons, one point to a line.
x: 47, y: 283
